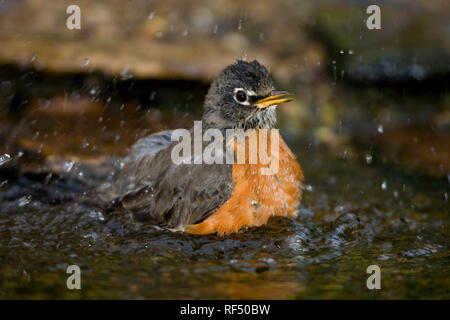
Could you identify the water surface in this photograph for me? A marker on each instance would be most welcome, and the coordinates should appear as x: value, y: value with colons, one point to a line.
x: 354, y: 213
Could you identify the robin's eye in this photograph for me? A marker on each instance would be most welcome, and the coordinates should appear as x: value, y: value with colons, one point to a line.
x: 241, y: 96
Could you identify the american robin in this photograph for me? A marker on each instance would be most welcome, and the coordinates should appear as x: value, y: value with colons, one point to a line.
x: 214, y: 198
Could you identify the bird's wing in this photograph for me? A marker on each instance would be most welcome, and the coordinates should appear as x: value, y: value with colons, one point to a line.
x: 131, y: 174
x: 175, y: 195
x: 149, y: 145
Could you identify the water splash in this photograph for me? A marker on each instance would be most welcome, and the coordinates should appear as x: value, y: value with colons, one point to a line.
x: 380, y: 129
x: 4, y: 158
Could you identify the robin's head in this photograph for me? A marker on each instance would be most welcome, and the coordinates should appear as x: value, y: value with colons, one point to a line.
x: 242, y: 96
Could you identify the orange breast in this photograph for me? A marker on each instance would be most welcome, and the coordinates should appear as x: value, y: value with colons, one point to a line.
x: 257, y: 197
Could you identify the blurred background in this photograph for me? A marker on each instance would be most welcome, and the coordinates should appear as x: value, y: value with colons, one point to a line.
x: 370, y: 124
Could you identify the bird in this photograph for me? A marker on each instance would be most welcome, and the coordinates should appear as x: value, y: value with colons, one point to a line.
x: 215, y: 198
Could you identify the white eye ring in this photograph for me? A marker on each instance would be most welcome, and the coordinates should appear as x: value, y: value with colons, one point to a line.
x: 249, y: 93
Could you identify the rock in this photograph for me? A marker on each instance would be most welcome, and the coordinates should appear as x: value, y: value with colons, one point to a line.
x: 159, y: 40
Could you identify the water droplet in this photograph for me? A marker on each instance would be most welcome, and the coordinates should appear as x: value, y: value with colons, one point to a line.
x: 380, y: 128
x: 48, y: 177
x: 92, y: 92
x: 341, y: 52
x: 350, y: 52
x: 24, y: 201
x: 151, y: 15
x: 384, y: 185
x: 68, y: 165
x: 368, y: 158
x: 98, y: 215
x: 240, y: 25
x: 185, y: 32
x: 85, y: 62
x: 33, y: 57
x: 216, y: 28
x: 334, y: 73
x: 125, y: 73
x: 4, y: 158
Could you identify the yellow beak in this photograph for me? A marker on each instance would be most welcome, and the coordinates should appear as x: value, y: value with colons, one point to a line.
x: 277, y: 97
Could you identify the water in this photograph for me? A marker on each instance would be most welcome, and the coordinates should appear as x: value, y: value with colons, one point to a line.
x: 346, y: 222
x: 357, y: 210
